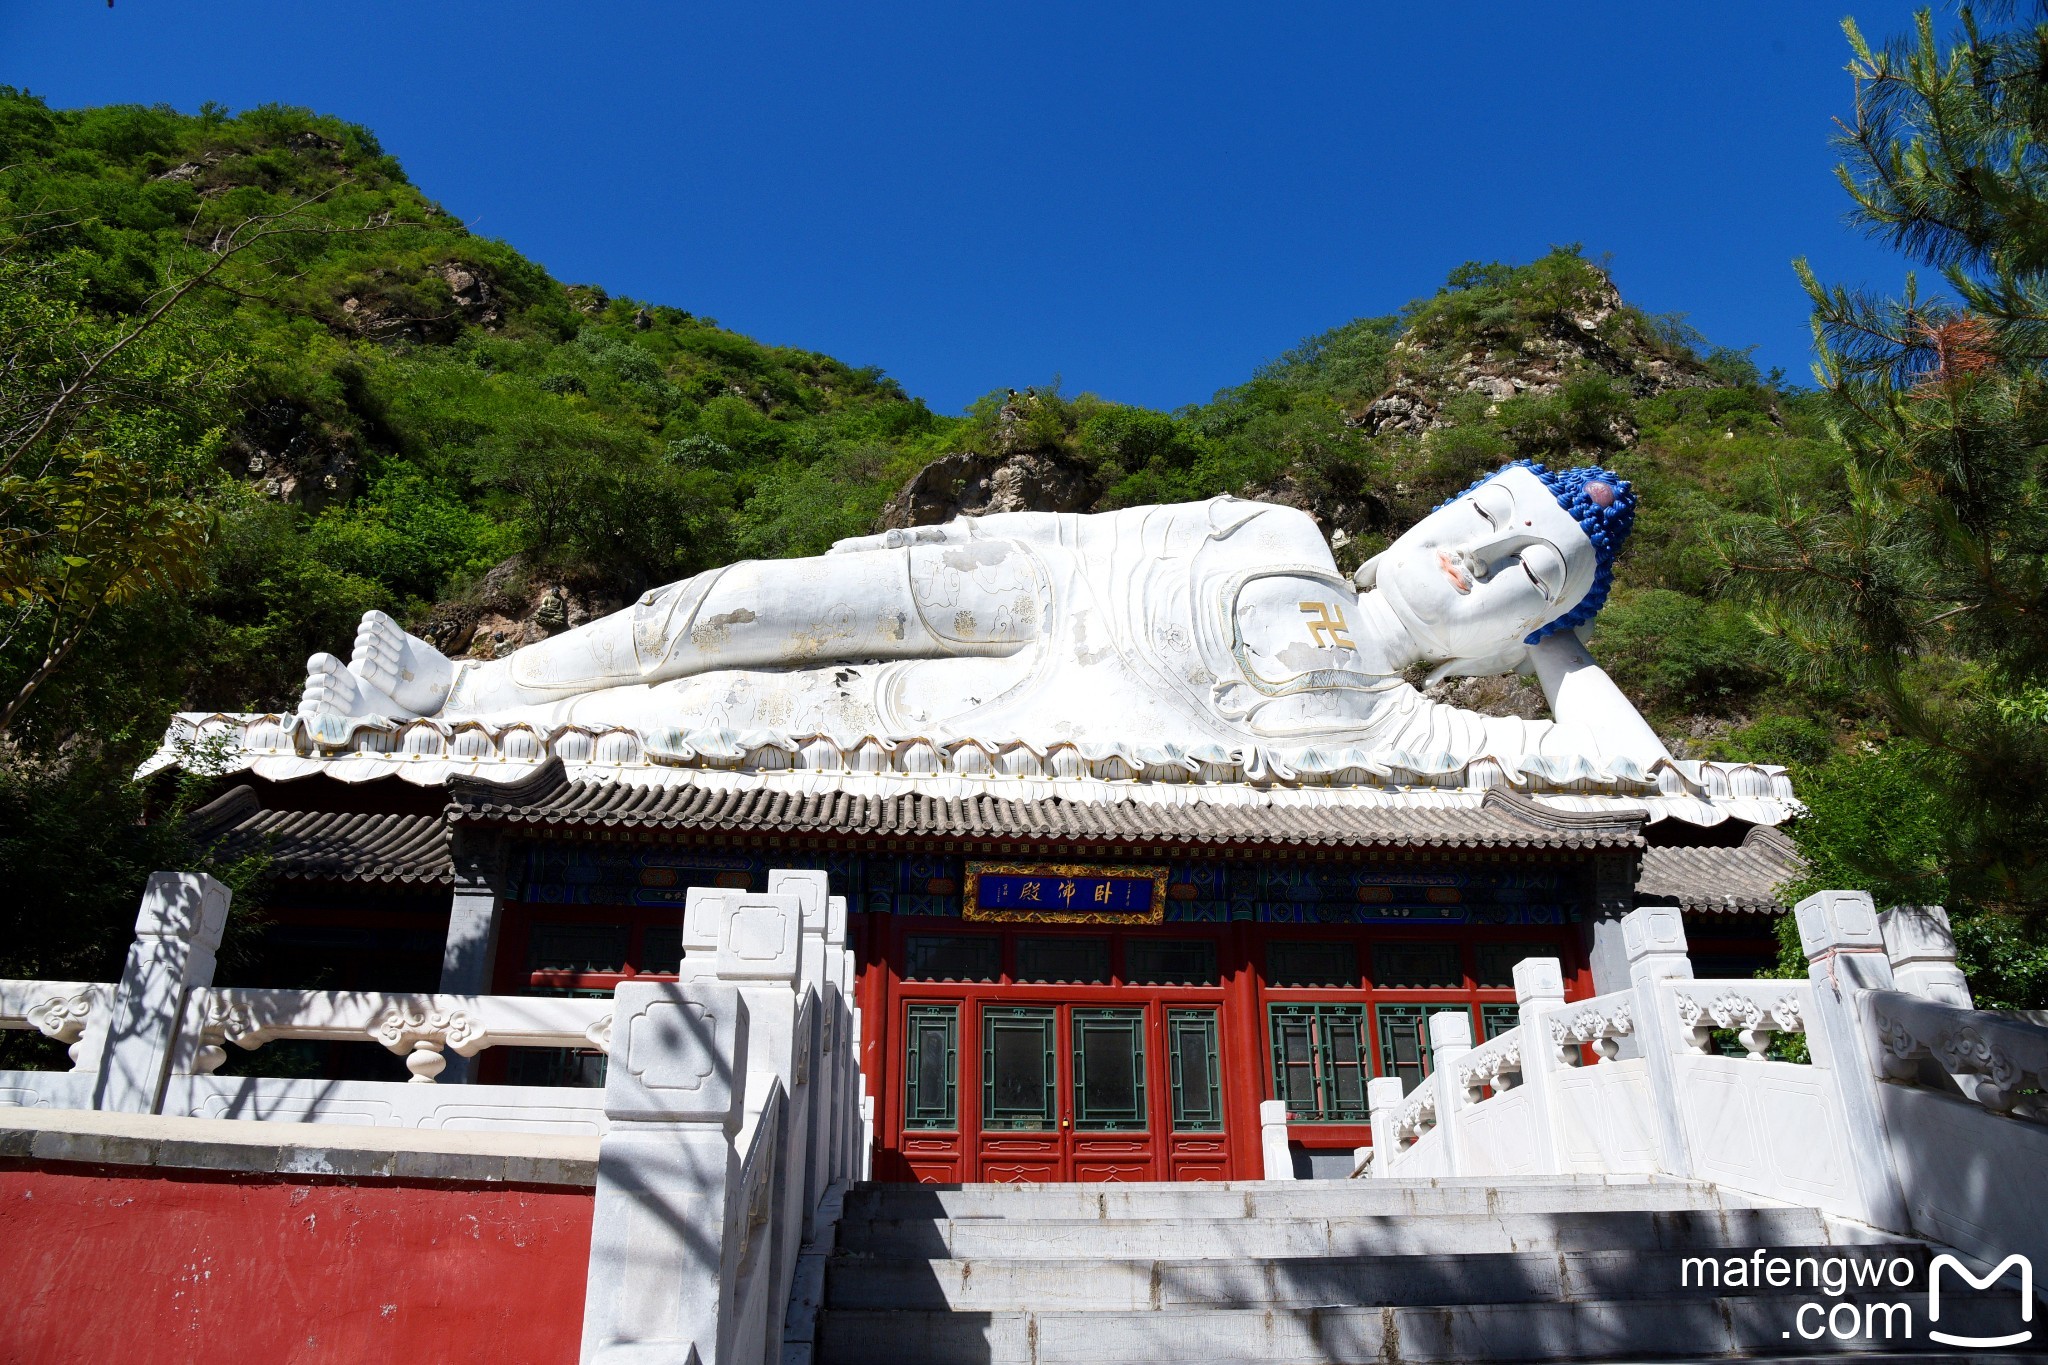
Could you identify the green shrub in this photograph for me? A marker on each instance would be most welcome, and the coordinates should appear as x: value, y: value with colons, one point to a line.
x: 1130, y: 439
x: 1794, y: 741
x: 1585, y: 415
x: 1675, y: 653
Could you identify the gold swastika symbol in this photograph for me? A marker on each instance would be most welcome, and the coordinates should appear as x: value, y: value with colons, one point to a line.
x: 1325, y: 629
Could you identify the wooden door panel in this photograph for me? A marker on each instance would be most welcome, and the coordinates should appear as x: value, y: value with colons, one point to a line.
x: 1021, y: 1175
x: 1136, y: 1146
x: 1020, y: 1147
x: 1123, y: 1157
x: 1020, y: 1137
x: 933, y: 1160
x: 1011, y: 1158
x: 1198, y: 1156
x: 1199, y: 1170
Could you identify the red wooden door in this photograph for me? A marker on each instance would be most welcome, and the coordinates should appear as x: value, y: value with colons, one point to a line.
x: 1009, y: 1080
x: 1020, y: 1117
x: 1066, y: 1093
x: 1192, y: 1101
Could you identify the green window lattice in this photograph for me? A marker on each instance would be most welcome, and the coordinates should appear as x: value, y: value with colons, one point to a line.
x: 1018, y: 1088
x: 931, y: 1071
x: 1320, y: 1064
x: 1109, y: 1071
x: 1194, y: 1071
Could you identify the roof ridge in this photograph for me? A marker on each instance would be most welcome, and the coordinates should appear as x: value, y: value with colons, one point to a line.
x: 1530, y: 811
x: 472, y: 793
x: 223, y: 813
x: 1772, y: 839
x: 1498, y: 820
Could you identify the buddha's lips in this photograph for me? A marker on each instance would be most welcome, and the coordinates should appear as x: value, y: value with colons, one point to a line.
x: 1453, y: 572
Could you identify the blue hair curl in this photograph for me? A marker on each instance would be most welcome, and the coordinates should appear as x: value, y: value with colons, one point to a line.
x: 1607, y: 527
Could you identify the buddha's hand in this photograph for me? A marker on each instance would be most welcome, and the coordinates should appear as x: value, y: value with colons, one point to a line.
x: 1516, y: 658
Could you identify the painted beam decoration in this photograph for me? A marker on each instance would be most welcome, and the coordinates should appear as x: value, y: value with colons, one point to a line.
x: 1064, y: 893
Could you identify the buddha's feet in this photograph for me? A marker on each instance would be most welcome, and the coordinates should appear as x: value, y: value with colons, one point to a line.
x: 390, y: 674
x: 332, y: 690
x: 404, y: 667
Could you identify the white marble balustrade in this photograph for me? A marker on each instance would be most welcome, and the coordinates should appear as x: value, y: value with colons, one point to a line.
x: 416, y: 1027
x: 1910, y: 1110
x: 733, y: 1116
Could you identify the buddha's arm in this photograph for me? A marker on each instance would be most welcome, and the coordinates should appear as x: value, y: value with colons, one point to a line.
x: 1024, y: 528
x: 790, y: 613
x: 1581, y: 694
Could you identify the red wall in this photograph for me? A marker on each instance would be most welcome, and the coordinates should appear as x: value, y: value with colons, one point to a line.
x: 132, y: 1266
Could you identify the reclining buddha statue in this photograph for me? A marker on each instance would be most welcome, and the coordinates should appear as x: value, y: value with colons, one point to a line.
x: 1218, y: 623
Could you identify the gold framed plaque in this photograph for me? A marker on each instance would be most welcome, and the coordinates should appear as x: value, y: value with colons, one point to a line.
x: 1064, y: 893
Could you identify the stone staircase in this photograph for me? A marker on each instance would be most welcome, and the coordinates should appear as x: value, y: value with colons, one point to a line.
x: 1571, y: 1268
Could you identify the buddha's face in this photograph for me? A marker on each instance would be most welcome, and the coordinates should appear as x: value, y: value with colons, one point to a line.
x: 1481, y: 573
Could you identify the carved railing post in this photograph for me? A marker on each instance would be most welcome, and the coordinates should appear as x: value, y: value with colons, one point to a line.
x: 1279, y: 1161
x: 1845, y: 957
x: 1654, y: 939
x: 867, y: 1137
x: 1450, y: 1038
x: 764, y: 952
x: 666, y: 1172
x: 1539, y: 993
x: 1922, y: 951
x: 839, y: 1097
x: 807, y: 887
x: 177, y: 933
x: 1383, y: 1096
x: 704, y: 911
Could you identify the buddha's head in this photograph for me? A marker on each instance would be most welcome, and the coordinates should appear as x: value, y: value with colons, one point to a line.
x: 1521, y: 554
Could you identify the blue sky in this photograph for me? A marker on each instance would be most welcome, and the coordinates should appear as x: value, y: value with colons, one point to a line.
x: 1146, y: 200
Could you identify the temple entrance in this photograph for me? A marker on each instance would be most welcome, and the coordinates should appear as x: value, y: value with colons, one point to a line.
x: 1043, y: 1056
x: 1059, y: 1090
x: 1078, y: 1092
x: 1087, y: 1052
x: 1097, y: 1042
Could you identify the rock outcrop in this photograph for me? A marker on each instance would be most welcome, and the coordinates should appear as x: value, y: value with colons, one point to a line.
x: 1506, y: 695
x: 976, y: 485
x: 513, y: 606
x: 1588, y: 334
x: 290, y: 454
x: 473, y: 294
x: 1026, y: 471
x: 388, y: 306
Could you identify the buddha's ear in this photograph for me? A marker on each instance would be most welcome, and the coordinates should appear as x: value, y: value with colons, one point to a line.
x: 1368, y: 572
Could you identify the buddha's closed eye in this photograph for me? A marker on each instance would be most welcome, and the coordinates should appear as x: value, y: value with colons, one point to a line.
x: 1545, y: 567
x: 1494, y: 504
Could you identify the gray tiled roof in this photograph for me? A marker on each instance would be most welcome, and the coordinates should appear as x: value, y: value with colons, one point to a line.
x: 412, y: 848
x: 1500, y: 821
x: 1730, y: 879
x: 315, y: 845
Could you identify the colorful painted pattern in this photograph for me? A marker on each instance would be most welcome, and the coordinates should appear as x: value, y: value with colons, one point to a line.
x: 1195, y: 891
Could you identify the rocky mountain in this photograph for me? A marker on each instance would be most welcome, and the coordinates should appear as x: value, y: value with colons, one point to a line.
x: 1581, y: 331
